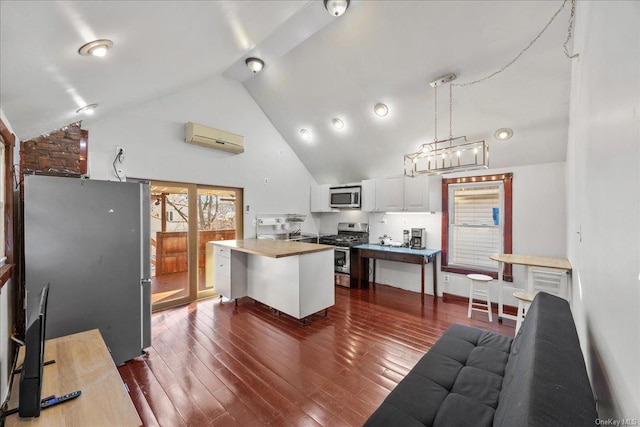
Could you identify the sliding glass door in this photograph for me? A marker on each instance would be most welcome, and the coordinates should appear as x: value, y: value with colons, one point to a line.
x: 217, y: 220
x: 184, y: 218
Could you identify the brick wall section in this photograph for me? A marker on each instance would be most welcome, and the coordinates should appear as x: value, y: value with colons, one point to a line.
x: 58, y: 152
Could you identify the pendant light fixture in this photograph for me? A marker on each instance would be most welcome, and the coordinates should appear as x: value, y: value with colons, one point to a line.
x: 254, y: 64
x: 336, y: 7
x: 451, y: 154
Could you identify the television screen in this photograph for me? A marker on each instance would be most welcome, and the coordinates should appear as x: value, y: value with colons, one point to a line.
x: 31, y: 375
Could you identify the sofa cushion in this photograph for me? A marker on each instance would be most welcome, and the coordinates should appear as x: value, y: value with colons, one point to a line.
x: 457, y: 382
x: 545, y: 381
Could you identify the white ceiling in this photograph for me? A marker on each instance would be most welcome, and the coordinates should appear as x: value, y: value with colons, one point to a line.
x: 317, y: 67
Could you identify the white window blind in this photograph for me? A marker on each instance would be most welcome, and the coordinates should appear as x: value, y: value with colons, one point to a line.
x: 475, y: 224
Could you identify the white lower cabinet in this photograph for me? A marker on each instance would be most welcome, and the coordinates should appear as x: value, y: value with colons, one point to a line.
x: 229, y: 265
x: 298, y: 285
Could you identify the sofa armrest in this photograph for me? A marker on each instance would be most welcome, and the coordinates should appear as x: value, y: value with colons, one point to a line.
x: 546, y: 381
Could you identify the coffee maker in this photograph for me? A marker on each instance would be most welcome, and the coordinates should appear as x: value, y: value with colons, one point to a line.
x: 418, y: 238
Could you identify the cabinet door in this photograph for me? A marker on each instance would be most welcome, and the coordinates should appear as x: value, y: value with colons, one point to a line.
x: 393, y: 193
x: 369, y: 195
x: 320, y: 198
x: 435, y: 193
x: 416, y: 193
x: 222, y: 273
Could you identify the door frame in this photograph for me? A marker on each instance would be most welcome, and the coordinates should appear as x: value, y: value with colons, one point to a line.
x: 192, y: 193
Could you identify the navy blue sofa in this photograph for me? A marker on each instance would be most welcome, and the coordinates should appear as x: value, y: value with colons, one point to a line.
x: 472, y: 377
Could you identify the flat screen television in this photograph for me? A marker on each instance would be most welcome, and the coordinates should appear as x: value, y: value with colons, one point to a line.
x: 32, y: 367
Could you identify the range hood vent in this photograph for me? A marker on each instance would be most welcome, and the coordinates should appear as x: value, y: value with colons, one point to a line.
x: 213, y: 138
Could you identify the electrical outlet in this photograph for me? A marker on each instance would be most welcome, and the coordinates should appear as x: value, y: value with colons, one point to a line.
x: 266, y: 181
x: 447, y: 278
x: 120, y: 152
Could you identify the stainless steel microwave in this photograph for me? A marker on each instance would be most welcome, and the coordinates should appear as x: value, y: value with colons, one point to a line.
x: 345, y: 197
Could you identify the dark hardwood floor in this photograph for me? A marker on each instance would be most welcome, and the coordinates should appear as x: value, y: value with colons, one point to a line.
x: 214, y: 364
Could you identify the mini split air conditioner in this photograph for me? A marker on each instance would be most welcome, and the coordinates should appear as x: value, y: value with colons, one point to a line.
x: 213, y: 138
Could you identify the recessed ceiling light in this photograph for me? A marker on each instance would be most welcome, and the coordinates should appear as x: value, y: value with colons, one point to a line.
x: 380, y: 109
x: 87, y: 109
x: 254, y: 64
x: 336, y: 7
x: 337, y: 123
x: 96, y: 48
x: 305, y: 134
x: 503, y: 134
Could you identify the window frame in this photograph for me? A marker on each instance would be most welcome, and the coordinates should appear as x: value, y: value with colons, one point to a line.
x: 8, y: 141
x: 507, y: 180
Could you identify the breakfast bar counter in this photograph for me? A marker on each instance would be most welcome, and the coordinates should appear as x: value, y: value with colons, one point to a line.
x: 295, y: 278
x: 562, y: 266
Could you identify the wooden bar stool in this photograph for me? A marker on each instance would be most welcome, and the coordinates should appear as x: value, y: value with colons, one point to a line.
x: 480, y: 280
x: 524, y: 301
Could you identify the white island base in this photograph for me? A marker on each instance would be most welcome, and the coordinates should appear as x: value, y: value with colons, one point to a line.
x: 298, y: 284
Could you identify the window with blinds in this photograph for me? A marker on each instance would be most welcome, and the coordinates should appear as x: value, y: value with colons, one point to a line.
x: 475, y: 224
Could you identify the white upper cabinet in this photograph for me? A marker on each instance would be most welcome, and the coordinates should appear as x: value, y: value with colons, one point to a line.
x: 393, y: 193
x: 416, y: 193
x: 402, y: 193
x: 383, y: 194
x: 320, y: 198
x: 435, y: 193
x: 369, y: 196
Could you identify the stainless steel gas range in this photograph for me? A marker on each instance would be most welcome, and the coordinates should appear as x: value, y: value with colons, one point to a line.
x: 350, y: 234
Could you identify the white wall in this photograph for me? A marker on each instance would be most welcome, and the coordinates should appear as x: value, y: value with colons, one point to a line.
x: 153, y: 136
x: 603, y: 175
x: 539, y: 228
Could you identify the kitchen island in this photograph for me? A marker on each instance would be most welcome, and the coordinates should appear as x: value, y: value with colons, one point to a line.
x: 295, y: 278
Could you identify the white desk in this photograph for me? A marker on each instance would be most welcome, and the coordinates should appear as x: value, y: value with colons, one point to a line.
x: 562, y: 266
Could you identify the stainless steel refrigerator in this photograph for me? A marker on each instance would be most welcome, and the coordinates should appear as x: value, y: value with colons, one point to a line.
x: 90, y: 240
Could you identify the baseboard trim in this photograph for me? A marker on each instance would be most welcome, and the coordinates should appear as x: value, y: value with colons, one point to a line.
x: 457, y: 299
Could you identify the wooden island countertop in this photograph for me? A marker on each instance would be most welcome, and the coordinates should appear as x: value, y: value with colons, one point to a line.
x: 272, y: 248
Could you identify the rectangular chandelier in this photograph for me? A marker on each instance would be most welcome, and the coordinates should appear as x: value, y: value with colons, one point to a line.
x: 447, y: 156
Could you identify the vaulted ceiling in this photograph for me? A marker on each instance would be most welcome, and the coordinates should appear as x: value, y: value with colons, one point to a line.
x: 318, y: 67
